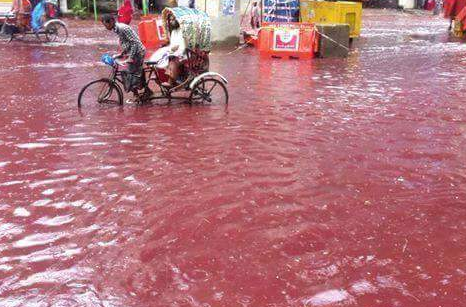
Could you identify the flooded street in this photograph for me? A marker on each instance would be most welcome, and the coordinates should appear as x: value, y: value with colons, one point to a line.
x: 332, y: 182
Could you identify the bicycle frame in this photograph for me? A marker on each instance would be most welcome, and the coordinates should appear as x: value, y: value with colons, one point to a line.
x: 116, y: 76
x: 167, y: 93
x: 150, y: 74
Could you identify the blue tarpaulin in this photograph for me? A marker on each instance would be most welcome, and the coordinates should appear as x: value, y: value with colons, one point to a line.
x: 281, y: 10
x: 36, y: 16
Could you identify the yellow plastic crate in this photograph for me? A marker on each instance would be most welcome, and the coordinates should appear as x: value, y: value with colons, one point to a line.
x: 333, y: 12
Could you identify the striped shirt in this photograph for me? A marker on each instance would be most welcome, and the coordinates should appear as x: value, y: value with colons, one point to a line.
x: 129, y: 41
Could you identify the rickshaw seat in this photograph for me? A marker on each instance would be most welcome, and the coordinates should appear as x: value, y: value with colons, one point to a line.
x: 196, y: 62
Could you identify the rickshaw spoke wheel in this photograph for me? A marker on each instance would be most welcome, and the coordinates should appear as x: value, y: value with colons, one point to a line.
x: 209, y: 91
x: 103, y: 92
x: 4, y: 37
x: 56, y: 33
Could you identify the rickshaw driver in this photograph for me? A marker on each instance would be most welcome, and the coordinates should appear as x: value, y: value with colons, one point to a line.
x: 134, y: 50
x: 21, y: 9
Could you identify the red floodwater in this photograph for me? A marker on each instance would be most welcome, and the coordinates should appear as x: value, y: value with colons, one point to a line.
x: 335, y: 182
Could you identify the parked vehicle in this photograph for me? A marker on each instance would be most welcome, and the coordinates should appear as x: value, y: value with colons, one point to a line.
x: 45, y: 27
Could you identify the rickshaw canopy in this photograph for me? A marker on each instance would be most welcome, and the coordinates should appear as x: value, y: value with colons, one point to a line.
x: 195, y: 26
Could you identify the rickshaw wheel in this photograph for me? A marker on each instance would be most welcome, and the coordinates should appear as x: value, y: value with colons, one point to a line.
x: 103, y: 92
x: 6, y: 38
x: 209, y: 91
x: 56, y: 33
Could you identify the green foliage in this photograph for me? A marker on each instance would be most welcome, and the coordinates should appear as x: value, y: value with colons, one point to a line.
x: 79, y: 10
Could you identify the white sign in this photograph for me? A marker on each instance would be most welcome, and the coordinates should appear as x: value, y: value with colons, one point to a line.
x: 286, y: 40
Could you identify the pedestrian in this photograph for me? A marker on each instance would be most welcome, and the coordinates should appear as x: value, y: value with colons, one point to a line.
x: 134, y: 51
x: 438, y: 7
x: 125, y: 13
x: 430, y: 5
x: 21, y: 9
x: 255, y: 16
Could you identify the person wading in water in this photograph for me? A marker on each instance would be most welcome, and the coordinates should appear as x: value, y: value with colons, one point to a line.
x: 134, y: 50
x: 255, y: 16
x: 125, y: 13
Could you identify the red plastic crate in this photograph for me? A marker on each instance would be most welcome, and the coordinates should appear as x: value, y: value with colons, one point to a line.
x: 288, y: 40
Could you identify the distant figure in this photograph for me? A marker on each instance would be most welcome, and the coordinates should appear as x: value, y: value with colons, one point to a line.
x: 125, y: 13
x: 430, y: 5
x: 51, y: 9
x: 21, y: 10
x: 438, y: 6
x: 255, y: 16
x: 192, y: 4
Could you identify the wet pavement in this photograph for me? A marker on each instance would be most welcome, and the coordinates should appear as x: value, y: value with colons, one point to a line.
x: 333, y: 182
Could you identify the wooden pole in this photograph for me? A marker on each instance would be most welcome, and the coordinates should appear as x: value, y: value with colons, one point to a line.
x: 245, y: 13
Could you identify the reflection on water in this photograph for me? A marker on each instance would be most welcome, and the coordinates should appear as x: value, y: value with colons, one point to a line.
x: 334, y: 182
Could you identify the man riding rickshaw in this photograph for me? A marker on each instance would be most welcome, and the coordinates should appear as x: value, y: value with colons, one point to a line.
x: 21, y: 10
x: 182, y: 65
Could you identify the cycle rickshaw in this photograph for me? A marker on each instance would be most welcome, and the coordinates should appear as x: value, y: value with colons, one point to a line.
x: 49, y: 27
x: 198, y: 85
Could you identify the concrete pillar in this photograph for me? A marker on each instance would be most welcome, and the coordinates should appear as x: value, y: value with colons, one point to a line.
x: 225, y: 22
x: 64, y: 6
